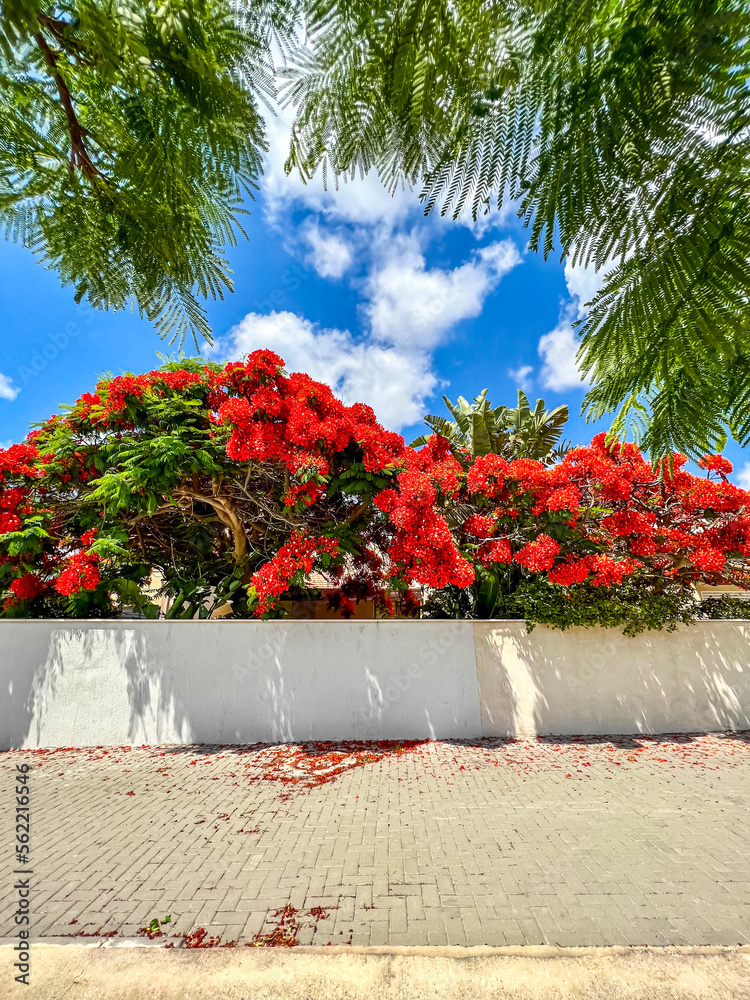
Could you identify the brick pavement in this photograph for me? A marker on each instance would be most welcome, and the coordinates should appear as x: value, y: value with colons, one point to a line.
x: 597, y: 841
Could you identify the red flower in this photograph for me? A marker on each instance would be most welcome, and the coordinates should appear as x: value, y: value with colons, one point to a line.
x: 27, y: 587
x: 568, y: 573
x: 716, y: 463
x: 479, y: 525
x: 9, y: 521
x: 423, y: 549
x: 708, y: 559
x: 609, y: 571
x: 599, y: 516
x: 495, y: 552
x: 564, y: 498
x: 81, y: 573
x: 539, y: 554
x: 487, y: 475
x: 294, y: 559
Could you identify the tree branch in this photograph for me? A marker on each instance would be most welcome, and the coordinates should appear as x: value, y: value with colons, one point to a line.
x: 57, y: 28
x: 228, y: 516
x: 79, y: 155
x: 359, y: 509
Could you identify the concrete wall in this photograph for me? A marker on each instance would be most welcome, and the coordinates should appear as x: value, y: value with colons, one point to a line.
x: 587, y: 681
x: 134, y: 682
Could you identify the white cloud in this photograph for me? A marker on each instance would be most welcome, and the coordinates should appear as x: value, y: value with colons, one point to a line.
x: 522, y: 376
x: 360, y: 201
x: 558, y: 350
x: 494, y: 219
x: 408, y: 309
x: 7, y: 389
x: 394, y: 382
x: 583, y: 284
x: 330, y: 254
x: 743, y: 477
x: 559, y: 347
x: 415, y: 307
x: 363, y: 201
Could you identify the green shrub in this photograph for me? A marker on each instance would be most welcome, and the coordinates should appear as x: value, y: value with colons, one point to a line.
x: 634, y: 609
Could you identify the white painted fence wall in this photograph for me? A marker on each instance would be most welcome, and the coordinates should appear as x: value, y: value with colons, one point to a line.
x: 137, y: 682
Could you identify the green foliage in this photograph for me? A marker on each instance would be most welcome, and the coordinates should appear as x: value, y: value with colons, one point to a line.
x: 634, y: 609
x: 85, y: 604
x: 451, y: 602
x: 517, y: 432
x: 356, y: 480
x: 723, y: 607
x: 537, y: 602
x: 144, y: 461
x: 131, y: 596
x: 130, y: 135
x: 486, y: 588
x: 622, y: 132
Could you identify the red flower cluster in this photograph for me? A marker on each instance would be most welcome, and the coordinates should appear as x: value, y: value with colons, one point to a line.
x: 27, y: 587
x: 601, y: 515
x: 608, y: 571
x: 709, y: 559
x: 437, y: 461
x: 479, y: 525
x: 539, y: 554
x: 292, y: 562
x: 18, y: 464
x: 494, y: 552
x: 604, y: 513
x: 564, y: 498
x: 19, y: 460
x: 297, y: 421
x: 81, y: 573
x: 717, y: 463
x: 423, y: 548
x: 487, y: 476
x: 9, y: 521
x: 570, y: 572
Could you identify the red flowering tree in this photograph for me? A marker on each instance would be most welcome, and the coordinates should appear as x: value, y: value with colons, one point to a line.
x: 603, y: 519
x: 233, y: 482
x: 604, y: 514
x: 236, y: 482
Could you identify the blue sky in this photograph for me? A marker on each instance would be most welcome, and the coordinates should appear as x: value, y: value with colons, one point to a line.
x: 354, y: 286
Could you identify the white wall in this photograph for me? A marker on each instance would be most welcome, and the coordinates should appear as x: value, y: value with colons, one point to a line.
x: 134, y: 682
x: 585, y: 681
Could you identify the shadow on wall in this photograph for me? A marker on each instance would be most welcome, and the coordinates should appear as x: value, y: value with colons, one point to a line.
x: 589, y: 681
x: 77, y: 681
x: 113, y: 683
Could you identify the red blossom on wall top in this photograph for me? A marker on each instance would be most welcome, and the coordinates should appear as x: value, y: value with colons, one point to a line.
x: 295, y: 559
x: 539, y: 554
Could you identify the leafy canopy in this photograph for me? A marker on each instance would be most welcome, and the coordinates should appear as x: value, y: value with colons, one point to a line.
x: 620, y: 128
x: 231, y: 483
x: 130, y: 134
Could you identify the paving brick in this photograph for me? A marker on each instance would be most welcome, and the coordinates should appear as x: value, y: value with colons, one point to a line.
x: 645, y: 847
